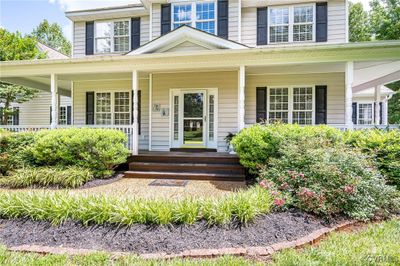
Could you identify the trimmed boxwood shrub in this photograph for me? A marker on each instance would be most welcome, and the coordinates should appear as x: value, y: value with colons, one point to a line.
x: 99, y: 150
x: 382, y: 145
x: 69, y: 177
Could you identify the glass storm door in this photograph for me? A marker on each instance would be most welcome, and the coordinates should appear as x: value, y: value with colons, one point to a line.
x: 194, y: 117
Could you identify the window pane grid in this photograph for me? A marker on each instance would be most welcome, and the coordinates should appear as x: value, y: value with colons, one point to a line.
x: 365, y: 114
x: 200, y: 15
x: 112, y: 36
x: 121, y: 108
x: 103, y: 108
x: 302, y: 105
x: 211, y: 119
x: 176, y: 117
x: 278, y: 105
x: 279, y: 30
x: 62, y: 117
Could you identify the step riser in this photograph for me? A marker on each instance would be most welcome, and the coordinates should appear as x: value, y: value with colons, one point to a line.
x: 168, y: 176
x: 178, y: 159
x: 225, y: 169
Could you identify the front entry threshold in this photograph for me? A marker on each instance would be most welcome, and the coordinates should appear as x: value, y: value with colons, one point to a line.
x: 192, y: 149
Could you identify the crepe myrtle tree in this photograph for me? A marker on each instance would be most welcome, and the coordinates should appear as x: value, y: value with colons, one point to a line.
x: 10, y: 93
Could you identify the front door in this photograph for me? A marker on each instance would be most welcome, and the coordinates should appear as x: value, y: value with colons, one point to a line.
x: 193, y: 116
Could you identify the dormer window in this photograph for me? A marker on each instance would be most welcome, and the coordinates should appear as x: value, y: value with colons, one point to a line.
x: 292, y: 24
x: 112, y: 36
x: 199, y: 15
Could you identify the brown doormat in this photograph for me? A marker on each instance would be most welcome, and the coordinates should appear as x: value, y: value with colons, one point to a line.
x: 169, y: 183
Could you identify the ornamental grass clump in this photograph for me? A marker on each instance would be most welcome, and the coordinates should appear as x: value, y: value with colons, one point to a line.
x: 57, y: 207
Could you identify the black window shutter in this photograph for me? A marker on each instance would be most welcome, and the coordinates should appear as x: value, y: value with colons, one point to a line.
x: 135, y: 33
x: 139, y: 110
x: 89, y: 108
x: 223, y: 18
x: 89, y: 37
x: 51, y: 115
x: 261, y: 104
x: 354, y: 114
x: 380, y: 113
x: 16, y: 116
x: 262, y: 26
x: 321, y: 104
x: 69, y: 115
x: 322, y: 22
x: 1, y: 115
x: 165, y: 18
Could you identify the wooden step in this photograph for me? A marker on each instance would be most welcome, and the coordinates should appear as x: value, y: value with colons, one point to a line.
x: 192, y: 150
x: 188, y: 167
x: 184, y: 176
x: 185, y: 158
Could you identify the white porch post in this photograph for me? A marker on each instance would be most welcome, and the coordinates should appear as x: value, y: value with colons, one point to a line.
x: 385, y: 112
x: 135, y: 129
x: 241, y: 96
x: 54, y: 101
x: 150, y: 108
x: 377, y: 106
x: 349, y: 76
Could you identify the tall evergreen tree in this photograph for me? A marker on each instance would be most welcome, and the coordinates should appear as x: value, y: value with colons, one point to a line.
x: 358, y: 23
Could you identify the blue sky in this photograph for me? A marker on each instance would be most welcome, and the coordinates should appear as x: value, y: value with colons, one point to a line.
x: 24, y: 15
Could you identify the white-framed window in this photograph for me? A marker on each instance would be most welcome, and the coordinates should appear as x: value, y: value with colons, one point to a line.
x: 10, y: 119
x: 62, y: 116
x: 200, y: 15
x: 365, y: 113
x: 291, y: 104
x: 291, y: 23
x: 113, y: 108
x: 112, y: 36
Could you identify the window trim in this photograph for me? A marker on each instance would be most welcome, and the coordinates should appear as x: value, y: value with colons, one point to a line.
x: 66, y: 114
x: 112, y: 21
x: 112, y: 99
x: 290, y: 100
x: 358, y: 111
x: 194, y: 11
x: 291, y: 23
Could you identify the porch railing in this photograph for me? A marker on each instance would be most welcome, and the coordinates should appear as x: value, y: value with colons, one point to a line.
x: 126, y: 129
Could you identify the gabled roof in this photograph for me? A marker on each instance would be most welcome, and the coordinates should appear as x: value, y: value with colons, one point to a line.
x: 185, y: 34
x: 51, y: 53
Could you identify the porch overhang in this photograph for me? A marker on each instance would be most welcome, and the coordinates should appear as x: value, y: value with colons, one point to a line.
x: 210, y: 59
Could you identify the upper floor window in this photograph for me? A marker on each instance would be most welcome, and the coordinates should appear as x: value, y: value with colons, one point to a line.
x: 112, y: 36
x: 199, y: 15
x: 292, y: 24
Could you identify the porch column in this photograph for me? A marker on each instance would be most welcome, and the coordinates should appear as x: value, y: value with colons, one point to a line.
x: 135, y: 129
x: 241, y: 96
x: 150, y: 109
x: 385, y: 112
x: 377, y: 108
x: 349, y: 76
x: 54, y: 101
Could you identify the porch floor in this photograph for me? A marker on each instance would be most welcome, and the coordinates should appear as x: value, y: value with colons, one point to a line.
x: 186, y: 166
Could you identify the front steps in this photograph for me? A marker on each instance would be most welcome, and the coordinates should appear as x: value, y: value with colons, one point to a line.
x: 186, y: 165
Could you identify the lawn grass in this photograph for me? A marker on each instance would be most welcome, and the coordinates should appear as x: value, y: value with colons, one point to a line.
x: 242, y: 206
x: 100, y: 259
x: 379, y: 244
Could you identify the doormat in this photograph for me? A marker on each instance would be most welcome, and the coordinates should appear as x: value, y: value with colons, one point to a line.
x: 169, y: 183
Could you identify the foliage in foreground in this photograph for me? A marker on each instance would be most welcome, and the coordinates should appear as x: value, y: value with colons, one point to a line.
x: 377, y: 245
x: 104, y: 259
x: 69, y: 177
x: 241, y: 207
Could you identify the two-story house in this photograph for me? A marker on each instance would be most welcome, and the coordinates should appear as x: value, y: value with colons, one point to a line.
x: 184, y: 74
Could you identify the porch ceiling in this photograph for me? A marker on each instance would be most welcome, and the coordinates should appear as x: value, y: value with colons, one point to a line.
x: 40, y: 83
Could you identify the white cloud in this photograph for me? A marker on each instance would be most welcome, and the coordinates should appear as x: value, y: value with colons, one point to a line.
x: 70, y: 5
x: 67, y: 30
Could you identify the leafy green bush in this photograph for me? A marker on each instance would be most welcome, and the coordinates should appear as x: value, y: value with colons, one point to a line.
x: 384, y: 146
x: 327, y: 180
x: 69, y: 177
x: 256, y: 144
x: 57, y: 207
x: 99, y: 150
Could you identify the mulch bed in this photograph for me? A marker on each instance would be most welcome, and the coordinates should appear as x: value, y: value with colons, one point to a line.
x: 266, y: 230
x: 104, y: 181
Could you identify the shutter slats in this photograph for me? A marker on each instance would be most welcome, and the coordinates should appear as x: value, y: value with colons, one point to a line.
x: 135, y: 33
x: 262, y: 26
x: 69, y: 115
x: 322, y: 22
x: 165, y: 18
x: 223, y: 18
x: 261, y: 104
x: 321, y: 104
x: 89, y: 37
x: 90, y: 108
x: 354, y: 113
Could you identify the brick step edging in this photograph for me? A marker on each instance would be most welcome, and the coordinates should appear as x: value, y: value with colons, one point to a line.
x: 196, y: 253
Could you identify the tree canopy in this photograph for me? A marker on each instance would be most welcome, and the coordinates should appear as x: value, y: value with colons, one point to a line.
x: 358, y: 23
x: 51, y: 35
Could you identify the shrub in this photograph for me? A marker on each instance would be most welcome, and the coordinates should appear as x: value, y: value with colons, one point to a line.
x: 99, y: 150
x: 57, y: 207
x: 256, y: 144
x: 69, y: 177
x: 327, y: 180
x: 384, y: 146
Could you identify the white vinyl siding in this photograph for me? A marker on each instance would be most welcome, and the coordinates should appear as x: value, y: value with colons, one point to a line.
x: 156, y: 21
x: 144, y: 29
x: 335, y: 93
x: 79, y: 39
x: 233, y: 24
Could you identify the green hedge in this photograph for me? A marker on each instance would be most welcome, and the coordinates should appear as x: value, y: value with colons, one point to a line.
x: 382, y: 145
x: 241, y: 207
x: 69, y: 177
